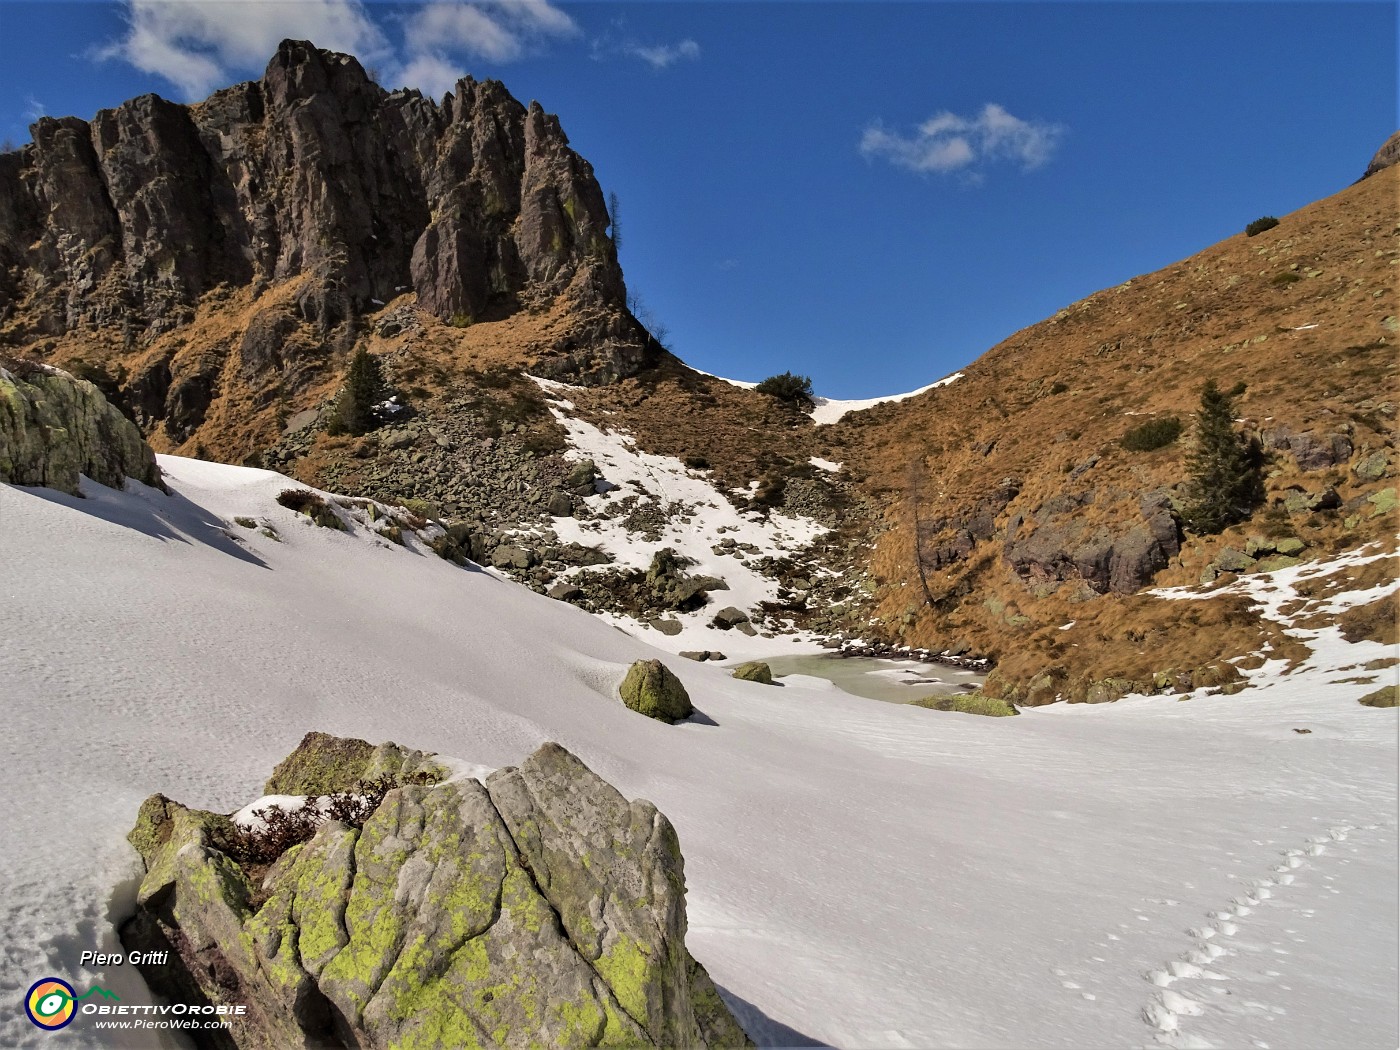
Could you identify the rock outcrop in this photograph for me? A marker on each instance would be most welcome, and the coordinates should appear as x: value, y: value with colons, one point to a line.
x: 541, y: 908
x: 313, y: 174
x: 1387, y: 155
x: 54, y: 427
x: 1058, y: 546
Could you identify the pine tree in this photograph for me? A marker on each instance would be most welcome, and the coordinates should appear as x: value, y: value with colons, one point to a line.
x: 1227, y: 480
x: 364, y: 387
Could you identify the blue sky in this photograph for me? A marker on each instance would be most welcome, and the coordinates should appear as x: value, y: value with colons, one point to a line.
x: 868, y: 193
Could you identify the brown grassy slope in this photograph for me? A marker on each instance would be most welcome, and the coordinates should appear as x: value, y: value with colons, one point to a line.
x: 675, y: 411
x: 427, y: 360
x: 1317, y: 353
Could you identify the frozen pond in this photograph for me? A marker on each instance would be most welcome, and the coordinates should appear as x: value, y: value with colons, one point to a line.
x: 894, y: 681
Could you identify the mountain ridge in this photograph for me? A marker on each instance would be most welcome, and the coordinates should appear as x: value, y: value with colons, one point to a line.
x: 469, y: 249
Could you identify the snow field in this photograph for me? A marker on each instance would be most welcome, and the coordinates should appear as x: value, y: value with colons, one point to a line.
x: 1153, y: 872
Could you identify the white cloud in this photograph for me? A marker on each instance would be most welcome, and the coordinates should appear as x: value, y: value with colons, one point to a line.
x: 618, y: 41
x: 33, y: 109
x: 947, y: 142
x: 435, y: 75
x: 659, y: 56
x: 498, y: 31
x: 199, y: 45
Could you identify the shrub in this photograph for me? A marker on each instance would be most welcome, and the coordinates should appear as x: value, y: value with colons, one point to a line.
x: 1057, y: 387
x: 788, y: 387
x: 1154, y: 434
x: 304, y: 501
x: 697, y: 463
x: 1259, y: 225
x: 281, y: 829
x: 1284, y: 279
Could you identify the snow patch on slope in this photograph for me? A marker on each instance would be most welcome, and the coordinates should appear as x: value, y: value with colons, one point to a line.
x: 1277, y: 597
x: 829, y: 409
x: 697, y: 518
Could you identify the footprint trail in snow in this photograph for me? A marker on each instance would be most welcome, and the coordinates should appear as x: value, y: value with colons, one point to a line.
x: 1204, y: 986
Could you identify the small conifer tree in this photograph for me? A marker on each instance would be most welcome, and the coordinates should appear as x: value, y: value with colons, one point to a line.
x: 364, y: 388
x: 1227, y: 480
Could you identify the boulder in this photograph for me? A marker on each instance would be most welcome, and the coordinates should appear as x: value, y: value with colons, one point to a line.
x: 560, y: 505
x: 729, y: 617
x: 1371, y: 467
x: 541, y: 908
x: 1231, y: 560
x: 703, y: 656
x: 754, y: 671
x: 967, y: 704
x: 1385, y: 696
x: 54, y: 427
x: 565, y: 591
x: 665, y: 626
x: 508, y: 556
x: 652, y: 690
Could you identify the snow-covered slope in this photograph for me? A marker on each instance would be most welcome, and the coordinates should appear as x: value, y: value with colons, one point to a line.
x: 830, y: 409
x: 696, y: 518
x: 1158, y: 871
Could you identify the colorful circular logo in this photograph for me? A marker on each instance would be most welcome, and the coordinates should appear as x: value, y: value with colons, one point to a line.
x: 49, y: 1003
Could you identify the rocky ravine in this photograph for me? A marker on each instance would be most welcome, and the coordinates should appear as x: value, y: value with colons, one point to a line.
x: 541, y: 908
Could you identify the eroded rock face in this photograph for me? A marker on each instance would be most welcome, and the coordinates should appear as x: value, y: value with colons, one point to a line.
x: 1059, y: 547
x: 541, y: 908
x: 314, y: 173
x: 54, y: 427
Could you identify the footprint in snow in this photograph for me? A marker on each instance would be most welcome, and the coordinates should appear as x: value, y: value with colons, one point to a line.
x: 1165, y: 1010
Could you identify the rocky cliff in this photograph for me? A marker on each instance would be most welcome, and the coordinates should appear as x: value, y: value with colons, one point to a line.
x: 538, y: 909
x: 283, y: 214
x: 55, y: 427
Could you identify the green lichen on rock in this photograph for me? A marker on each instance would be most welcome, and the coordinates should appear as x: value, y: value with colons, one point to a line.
x: 541, y: 909
x: 650, y: 688
x: 754, y: 671
x: 967, y: 704
x: 1385, y: 696
x: 320, y: 765
x: 324, y: 764
x: 54, y: 427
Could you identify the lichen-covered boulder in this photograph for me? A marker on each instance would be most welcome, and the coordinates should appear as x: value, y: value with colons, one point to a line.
x: 754, y: 671
x: 541, y: 908
x: 967, y: 704
x: 323, y: 764
x: 54, y: 427
x: 1385, y: 696
x: 651, y: 689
